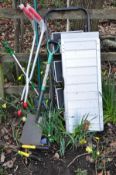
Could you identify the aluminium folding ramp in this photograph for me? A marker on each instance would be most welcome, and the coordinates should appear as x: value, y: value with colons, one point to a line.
x: 81, y: 66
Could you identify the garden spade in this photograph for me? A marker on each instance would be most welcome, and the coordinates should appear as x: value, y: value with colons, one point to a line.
x: 32, y: 132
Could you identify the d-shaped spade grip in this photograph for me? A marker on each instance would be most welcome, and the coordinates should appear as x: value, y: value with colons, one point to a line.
x: 26, y: 12
x: 50, y: 45
x: 32, y: 11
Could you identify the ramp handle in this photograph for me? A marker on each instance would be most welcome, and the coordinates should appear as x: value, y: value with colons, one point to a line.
x: 69, y: 9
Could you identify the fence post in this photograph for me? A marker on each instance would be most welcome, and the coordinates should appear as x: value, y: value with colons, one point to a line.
x: 17, y: 33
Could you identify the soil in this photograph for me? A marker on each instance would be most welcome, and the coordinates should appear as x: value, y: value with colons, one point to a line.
x: 48, y: 166
x: 46, y: 163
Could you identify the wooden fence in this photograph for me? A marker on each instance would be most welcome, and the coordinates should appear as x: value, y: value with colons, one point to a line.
x: 101, y: 14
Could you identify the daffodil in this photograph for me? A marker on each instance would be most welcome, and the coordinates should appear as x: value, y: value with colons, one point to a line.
x: 41, y: 72
x: 20, y: 77
x: 82, y: 141
x: 89, y: 149
x: 4, y: 106
x: 104, y: 72
x: 97, y: 138
x: 98, y: 153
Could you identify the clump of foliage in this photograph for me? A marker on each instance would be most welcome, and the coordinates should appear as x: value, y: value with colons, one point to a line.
x: 97, y: 155
x: 80, y: 172
x: 109, y: 100
x: 80, y: 134
x: 6, y: 106
x: 53, y: 127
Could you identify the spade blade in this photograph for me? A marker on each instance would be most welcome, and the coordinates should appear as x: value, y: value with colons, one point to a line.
x: 32, y: 132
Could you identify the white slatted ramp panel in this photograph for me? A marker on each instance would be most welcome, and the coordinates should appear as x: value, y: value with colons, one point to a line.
x: 81, y: 66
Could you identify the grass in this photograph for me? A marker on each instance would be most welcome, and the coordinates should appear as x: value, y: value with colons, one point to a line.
x: 80, y: 134
x: 8, y: 105
x: 53, y: 127
x: 80, y: 172
x: 109, y: 100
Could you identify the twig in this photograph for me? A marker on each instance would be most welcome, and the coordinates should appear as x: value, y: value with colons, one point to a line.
x: 28, y: 169
x: 6, y: 145
x: 68, y: 23
x: 15, y: 148
x: 107, y: 36
x: 78, y: 156
x: 96, y: 168
x: 110, y: 69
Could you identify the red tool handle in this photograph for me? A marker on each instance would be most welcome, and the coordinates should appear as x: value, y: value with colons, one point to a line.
x: 33, y: 12
x: 26, y: 11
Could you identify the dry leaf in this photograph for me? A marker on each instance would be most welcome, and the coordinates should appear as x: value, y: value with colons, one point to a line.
x: 89, y: 159
x: 86, y: 125
x: 109, y: 159
x: 101, y: 173
x: 6, y: 137
x: 108, y: 173
x: 8, y: 150
x: 113, y: 144
x: 2, y: 143
x: 8, y: 164
x: 2, y: 159
x: 56, y: 156
x: 4, y: 131
x: 16, y: 168
x: 113, y: 69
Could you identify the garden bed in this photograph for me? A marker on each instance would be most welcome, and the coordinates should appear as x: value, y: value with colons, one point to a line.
x: 75, y: 161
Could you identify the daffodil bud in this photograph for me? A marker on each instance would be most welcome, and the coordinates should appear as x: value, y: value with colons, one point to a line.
x: 98, y: 153
x: 23, y: 119
x: 4, y: 106
x: 20, y: 77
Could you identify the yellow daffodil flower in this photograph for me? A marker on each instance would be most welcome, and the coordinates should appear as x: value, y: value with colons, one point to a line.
x: 4, y: 106
x: 82, y: 141
x: 41, y: 72
x: 89, y: 149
